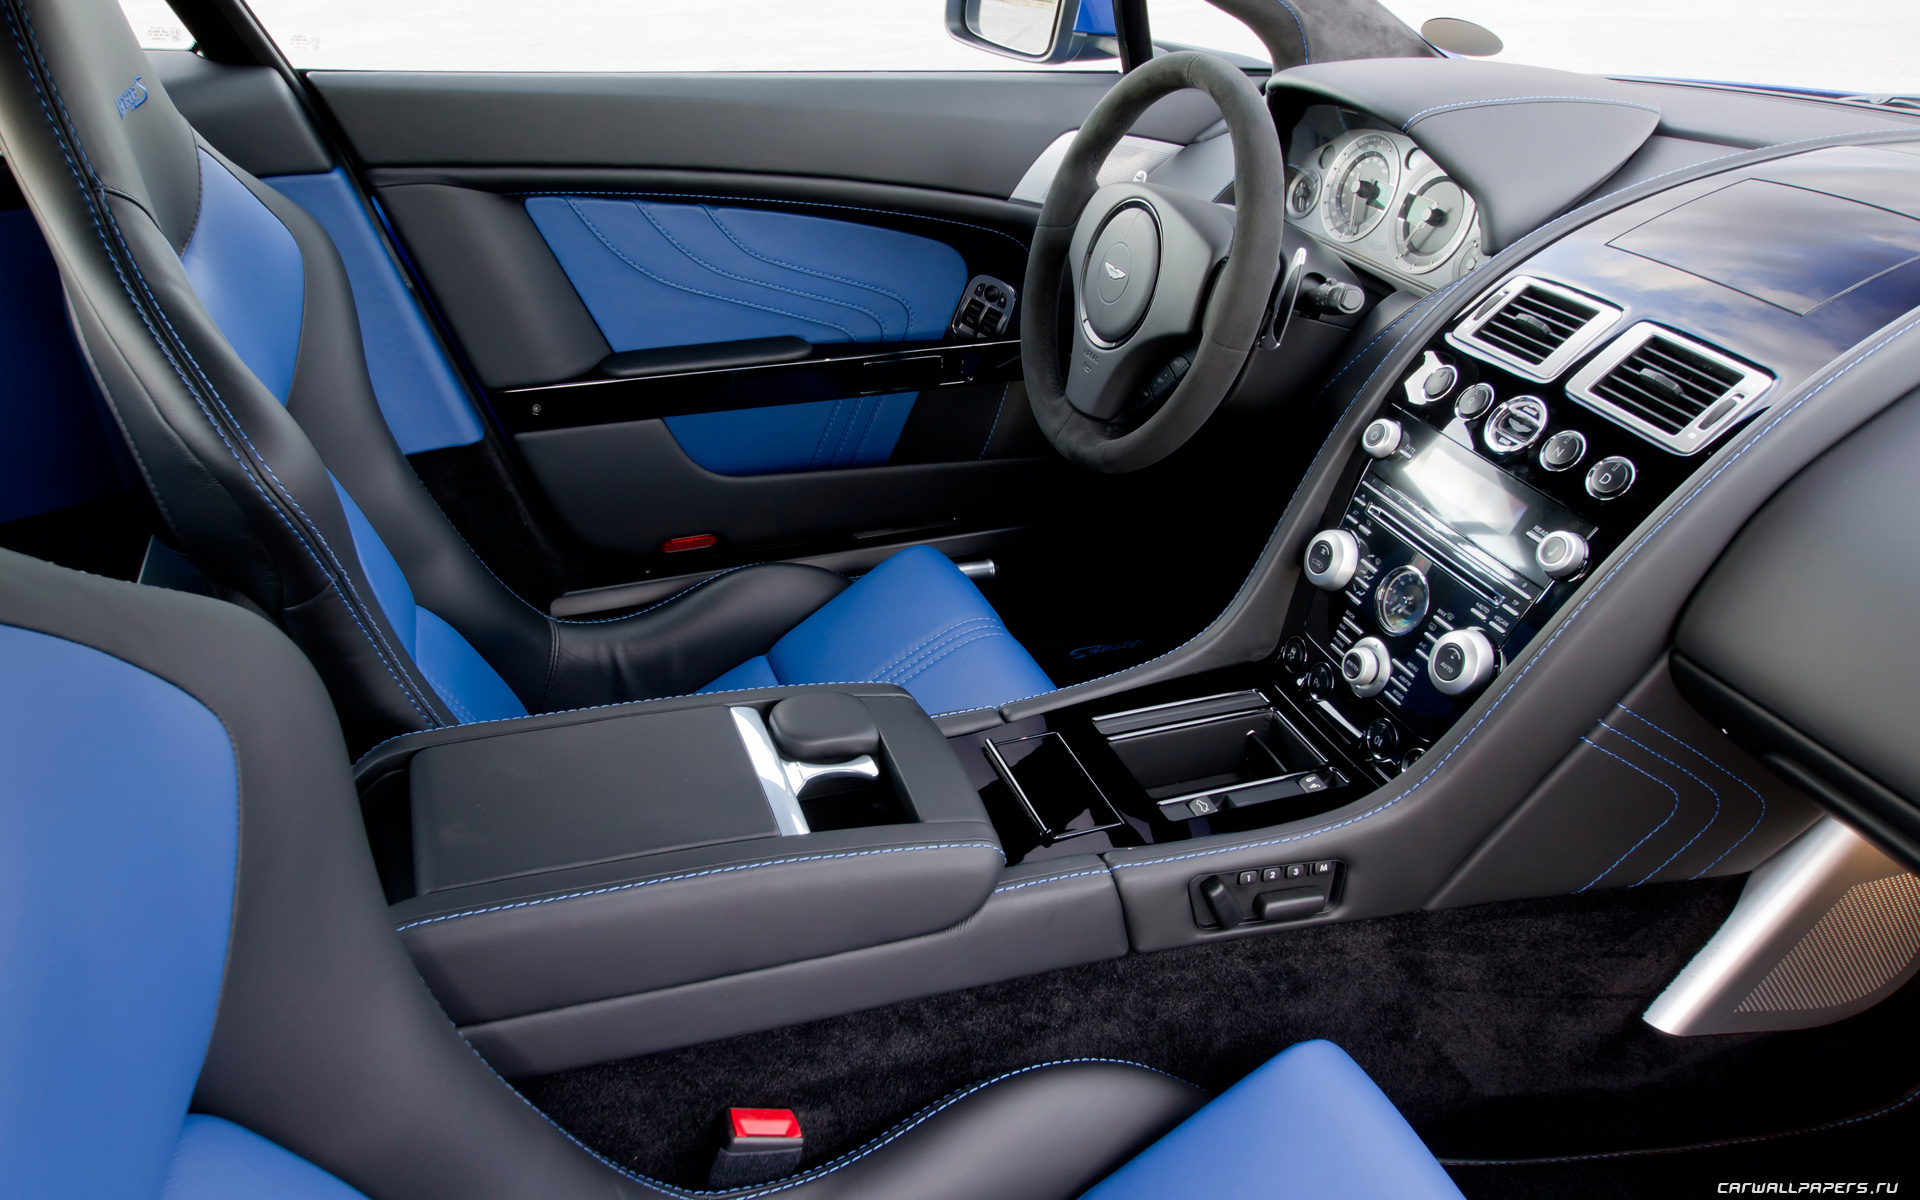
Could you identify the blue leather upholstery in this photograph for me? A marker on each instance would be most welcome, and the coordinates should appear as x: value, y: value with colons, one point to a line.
x: 421, y: 397
x: 656, y: 274
x: 914, y: 620
x: 218, y: 1160
x: 246, y: 269
x: 463, y: 679
x: 119, y: 820
x: 856, y: 432
x: 1308, y: 1124
x: 54, y: 447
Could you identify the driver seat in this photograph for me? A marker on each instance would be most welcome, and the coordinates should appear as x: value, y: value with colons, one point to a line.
x: 218, y: 319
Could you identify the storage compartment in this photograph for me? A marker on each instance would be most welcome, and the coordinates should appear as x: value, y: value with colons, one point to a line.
x: 1218, y: 753
x: 1052, y: 788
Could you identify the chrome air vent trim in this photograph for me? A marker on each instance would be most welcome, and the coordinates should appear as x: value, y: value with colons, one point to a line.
x: 1745, y: 395
x: 1524, y: 296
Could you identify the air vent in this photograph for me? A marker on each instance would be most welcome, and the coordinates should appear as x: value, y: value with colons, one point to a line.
x: 1534, y: 328
x: 1668, y: 388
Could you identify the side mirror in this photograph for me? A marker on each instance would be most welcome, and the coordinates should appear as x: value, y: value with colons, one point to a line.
x: 1046, y: 31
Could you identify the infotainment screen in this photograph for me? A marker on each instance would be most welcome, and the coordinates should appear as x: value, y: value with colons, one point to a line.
x: 1477, y: 500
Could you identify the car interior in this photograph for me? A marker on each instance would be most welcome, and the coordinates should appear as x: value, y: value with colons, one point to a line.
x: 1143, y: 622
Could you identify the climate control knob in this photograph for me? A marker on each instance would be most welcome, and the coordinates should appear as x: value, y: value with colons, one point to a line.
x: 1332, y: 557
x: 1382, y: 438
x: 1460, y: 662
x: 1367, y: 667
x: 1561, y: 554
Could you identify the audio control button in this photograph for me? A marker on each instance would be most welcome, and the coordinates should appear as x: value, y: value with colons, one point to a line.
x: 1610, y: 477
x: 1439, y: 383
x: 1382, y: 438
x: 1332, y: 557
x: 1563, y: 450
x: 1367, y: 667
x: 1461, y: 661
x: 1561, y: 554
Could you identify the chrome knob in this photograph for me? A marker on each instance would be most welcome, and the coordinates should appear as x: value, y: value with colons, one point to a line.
x: 1332, y: 557
x: 1382, y: 438
x: 1561, y: 554
x: 1460, y: 662
x: 1367, y: 667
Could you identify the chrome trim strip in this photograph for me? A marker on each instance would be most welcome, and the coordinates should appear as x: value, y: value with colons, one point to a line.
x: 771, y: 769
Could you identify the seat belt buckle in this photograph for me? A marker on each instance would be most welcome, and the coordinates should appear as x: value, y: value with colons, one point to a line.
x: 758, y: 1145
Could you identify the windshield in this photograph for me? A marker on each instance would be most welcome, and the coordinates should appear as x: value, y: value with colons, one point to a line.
x: 1862, y: 46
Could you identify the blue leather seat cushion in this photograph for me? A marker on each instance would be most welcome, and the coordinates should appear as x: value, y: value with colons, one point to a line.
x: 1308, y: 1124
x: 218, y: 1160
x: 915, y: 621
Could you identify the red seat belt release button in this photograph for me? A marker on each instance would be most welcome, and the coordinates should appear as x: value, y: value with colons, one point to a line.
x: 760, y: 1126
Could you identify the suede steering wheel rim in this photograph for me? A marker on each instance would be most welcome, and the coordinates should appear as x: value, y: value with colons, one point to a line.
x: 1146, y: 276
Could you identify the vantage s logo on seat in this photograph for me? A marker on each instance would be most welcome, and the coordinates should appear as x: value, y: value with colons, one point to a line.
x: 132, y: 98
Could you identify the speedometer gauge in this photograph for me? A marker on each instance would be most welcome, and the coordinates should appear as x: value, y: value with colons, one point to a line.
x: 1362, y: 187
x: 1433, y: 219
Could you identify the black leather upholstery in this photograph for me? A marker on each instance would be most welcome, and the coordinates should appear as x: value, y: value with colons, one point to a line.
x: 328, y: 1044
x: 241, y: 482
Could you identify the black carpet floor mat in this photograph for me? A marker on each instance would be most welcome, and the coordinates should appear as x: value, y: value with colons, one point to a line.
x: 1502, y: 1031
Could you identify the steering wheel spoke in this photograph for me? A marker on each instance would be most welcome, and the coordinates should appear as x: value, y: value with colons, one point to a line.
x: 1142, y: 260
x: 1153, y: 272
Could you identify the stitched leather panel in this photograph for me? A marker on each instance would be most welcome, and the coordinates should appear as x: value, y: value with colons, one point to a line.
x: 246, y: 270
x: 856, y: 432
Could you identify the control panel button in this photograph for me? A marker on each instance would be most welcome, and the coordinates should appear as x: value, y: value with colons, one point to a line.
x: 1610, y: 477
x: 1367, y: 667
x: 1332, y: 557
x: 1383, y: 740
x: 1382, y: 438
x: 1563, y: 450
x: 1561, y: 554
x: 1431, y: 374
x: 1462, y: 660
x: 1515, y: 425
x: 1474, y: 402
x: 1320, y: 680
x: 1295, y: 656
x: 1439, y: 383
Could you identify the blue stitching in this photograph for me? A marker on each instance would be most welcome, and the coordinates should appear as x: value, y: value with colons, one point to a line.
x: 694, y: 291
x: 1715, y: 763
x: 692, y: 257
x: 862, y: 405
x: 792, y: 203
x: 1656, y: 829
x: 967, y: 639
x: 1499, y: 100
x: 1306, y: 51
x: 1566, y: 624
x: 1690, y: 775
x: 640, y: 883
x: 1014, y: 887
x: 18, y: 24
x: 714, y: 216
x: 933, y: 645
x: 997, y: 409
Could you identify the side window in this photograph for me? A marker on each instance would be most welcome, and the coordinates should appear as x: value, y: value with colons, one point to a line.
x: 623, y: 35
x: 156, y: 26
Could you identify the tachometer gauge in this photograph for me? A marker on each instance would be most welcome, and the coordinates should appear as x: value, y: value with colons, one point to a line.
x: 1362, y: 187
x: 1433, y: 218
x: 1303, y: 192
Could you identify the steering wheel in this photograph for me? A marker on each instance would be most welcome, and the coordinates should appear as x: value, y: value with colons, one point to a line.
x: 1147, y: 285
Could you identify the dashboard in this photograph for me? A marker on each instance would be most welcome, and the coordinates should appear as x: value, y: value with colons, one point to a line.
x: 1377, y: 199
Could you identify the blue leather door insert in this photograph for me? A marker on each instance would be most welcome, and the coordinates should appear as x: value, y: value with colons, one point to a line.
x: 246, y: 269
x: 119, y: 830
x: 53, y: 442
x: 420, y: 395
x: 659, y: 274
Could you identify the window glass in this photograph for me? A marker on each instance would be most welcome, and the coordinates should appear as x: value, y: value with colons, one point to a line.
x: 626, y: 35
x: 155, y: 25
x: 1863, y: 46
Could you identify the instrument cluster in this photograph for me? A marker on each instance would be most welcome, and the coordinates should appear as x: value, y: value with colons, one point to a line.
x: 1379, y: 199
